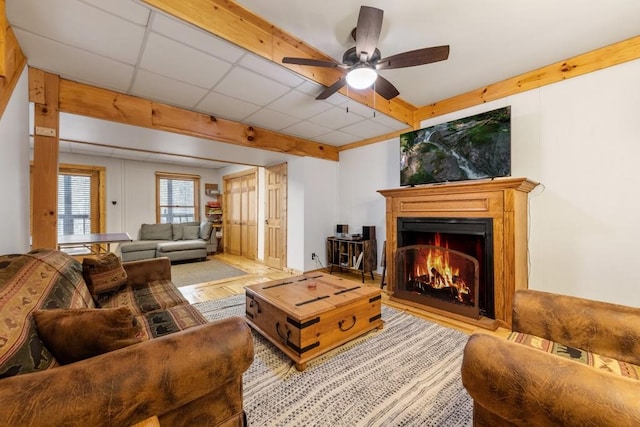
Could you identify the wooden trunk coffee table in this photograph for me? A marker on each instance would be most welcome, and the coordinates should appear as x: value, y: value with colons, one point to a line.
x: 308, y: 315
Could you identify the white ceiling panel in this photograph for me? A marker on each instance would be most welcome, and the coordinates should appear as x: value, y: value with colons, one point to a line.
x: 73, y: 63
x: 336, y: 138
x: 299, y: 105
x: 390, y: 122
x: 85, y: 27
x: 196, y: 38
x: 251, y: 87
x: 221, y: 105
x: 270, y: 119
x: 306, y: 130
x: 366, y: 129
x: 337, y: 116
x: 159, y: 88
x: 127, y: 9
x: 185, y: 63
x: 271, y: 70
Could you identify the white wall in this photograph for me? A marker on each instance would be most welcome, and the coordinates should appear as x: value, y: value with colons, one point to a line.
x: 580, y: 139
x: 132, y: 185
x: 320, y: 209
x: 14, y: 171
x: 311, y: 210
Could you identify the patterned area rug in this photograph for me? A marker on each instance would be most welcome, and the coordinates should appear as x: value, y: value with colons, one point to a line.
x: 407, y: 374
x: 190, y: 273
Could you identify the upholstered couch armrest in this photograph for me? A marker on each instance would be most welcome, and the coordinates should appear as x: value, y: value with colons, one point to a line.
x: 144, y: 271
x: 603, y: 328
x: 134, y: 383
x: 526, y: 386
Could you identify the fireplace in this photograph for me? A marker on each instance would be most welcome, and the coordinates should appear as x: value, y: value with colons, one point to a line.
x: 446, y: 263
x: 481, y: 226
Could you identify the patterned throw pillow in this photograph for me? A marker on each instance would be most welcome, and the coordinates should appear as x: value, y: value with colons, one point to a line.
x: 104, y: 273
x: 77, y: 334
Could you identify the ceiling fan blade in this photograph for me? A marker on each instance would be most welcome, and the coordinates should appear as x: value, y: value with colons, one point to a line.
x: 309, y: 61
x: 414, y: 57
x: 385, y: 88
x: 368, y: 31
x: 332, y: 89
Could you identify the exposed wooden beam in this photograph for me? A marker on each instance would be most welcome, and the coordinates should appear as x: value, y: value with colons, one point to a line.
x: 91, y: 101
x: 595, y: 60
x: 4, y: 27
x: 12, y: 60
x: 234, y: 23
x: 44, y: 87
x: 373, y: 140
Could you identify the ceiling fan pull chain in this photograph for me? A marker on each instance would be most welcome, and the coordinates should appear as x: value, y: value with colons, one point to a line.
x: 374, y: 98
x: 348, y: 99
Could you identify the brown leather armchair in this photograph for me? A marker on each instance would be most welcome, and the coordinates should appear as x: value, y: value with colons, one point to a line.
x: 516, y: 385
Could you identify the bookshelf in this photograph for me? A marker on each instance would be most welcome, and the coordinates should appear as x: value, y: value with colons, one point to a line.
x: 214, y: 212
x: 358, y: 256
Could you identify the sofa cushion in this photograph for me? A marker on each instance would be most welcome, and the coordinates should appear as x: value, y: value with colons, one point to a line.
x: 205, y: 230
x: 156, y: 232
x: 170, y: 320
x: 190, y: 232
x: 139, y: 245
x: 182, y: 245
x: 104, y: 273
x: 144, y: 297
x: 41, y: 279
x: 592, y: 359
x: 77, y: 334
x: 177, y: 231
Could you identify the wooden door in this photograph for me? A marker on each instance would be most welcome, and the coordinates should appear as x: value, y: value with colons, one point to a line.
x: 249, y: 225
x: 275, y: 241
x: 240, y: 219
x: 233, y: 218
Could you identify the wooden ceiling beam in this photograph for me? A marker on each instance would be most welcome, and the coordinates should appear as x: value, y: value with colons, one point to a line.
x: 105, y: 104
x: 614, y: 54
x: 232, y: 22
x: 12, y: 60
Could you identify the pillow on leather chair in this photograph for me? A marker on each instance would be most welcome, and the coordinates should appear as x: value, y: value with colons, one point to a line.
x: 104, y: 273
x: 76, y: 334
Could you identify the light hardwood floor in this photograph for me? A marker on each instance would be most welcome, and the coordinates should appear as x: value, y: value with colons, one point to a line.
x: 260, y: 273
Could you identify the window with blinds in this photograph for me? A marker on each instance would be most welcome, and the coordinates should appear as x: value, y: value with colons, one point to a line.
x: 177, y: 198
x: 80, y: 199
x: 74, y: 204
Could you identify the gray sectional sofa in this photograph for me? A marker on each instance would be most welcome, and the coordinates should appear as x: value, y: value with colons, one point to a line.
x: 178, y: 242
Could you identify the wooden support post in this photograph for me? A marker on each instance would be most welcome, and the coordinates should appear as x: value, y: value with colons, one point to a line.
x: 44, y: 92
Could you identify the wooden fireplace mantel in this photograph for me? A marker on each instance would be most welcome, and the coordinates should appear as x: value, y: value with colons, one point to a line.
x: 505, y: 200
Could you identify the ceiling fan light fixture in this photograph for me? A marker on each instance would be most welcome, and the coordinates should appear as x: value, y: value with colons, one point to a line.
x: 361, y: 77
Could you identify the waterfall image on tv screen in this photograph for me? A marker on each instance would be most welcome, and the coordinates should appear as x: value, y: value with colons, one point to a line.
x: 474, y: 147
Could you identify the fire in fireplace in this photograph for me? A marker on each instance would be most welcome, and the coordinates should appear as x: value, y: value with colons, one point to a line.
x: 446, y: 263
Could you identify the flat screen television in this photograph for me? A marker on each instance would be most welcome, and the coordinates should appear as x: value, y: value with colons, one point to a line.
x: 474, y: 147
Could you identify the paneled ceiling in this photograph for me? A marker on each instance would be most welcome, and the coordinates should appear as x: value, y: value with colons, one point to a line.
x: 130, y: 47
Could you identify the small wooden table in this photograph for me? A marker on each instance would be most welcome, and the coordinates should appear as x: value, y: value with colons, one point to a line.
x: 306, y: 316
x: 92, y: 241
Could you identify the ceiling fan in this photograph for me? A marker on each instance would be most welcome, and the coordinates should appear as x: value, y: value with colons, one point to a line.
x: 364, y: 60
